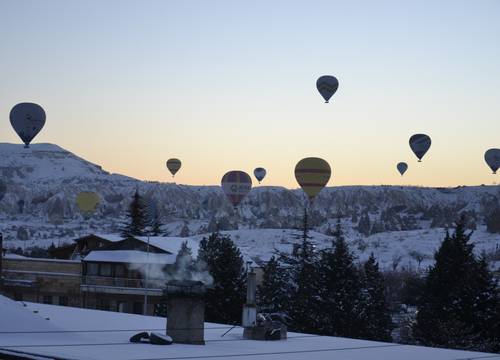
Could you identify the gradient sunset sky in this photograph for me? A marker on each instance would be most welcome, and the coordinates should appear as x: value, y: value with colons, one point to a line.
x: 226, y: 85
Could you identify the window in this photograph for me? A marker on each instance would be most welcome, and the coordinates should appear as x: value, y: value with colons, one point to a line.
x: 18, y: 296
x: 47, y: 299
x: 119, y: 270
x: 104, y: 304
x: 137, y: 307
x: 63, y: 300
x: 92, y: 269
x: 120, y: 306
x: 105, y: 270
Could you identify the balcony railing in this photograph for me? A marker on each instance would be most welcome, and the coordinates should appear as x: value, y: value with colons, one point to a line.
x: 122, y: 282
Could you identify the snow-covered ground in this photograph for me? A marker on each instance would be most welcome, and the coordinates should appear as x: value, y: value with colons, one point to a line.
x: 75, y: 333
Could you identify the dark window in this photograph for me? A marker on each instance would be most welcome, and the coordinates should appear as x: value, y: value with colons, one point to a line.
x: 105, y: 270
x: 47, y: 299
x: 104, y: 304
x: 92, y: 269
x: 63, y: 300
x: 18, y: 296
x: 119, y: 270
x: 137, y: 307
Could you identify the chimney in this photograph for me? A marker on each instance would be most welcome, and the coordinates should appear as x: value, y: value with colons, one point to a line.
x: 250, y: 308
x: 186, y: 311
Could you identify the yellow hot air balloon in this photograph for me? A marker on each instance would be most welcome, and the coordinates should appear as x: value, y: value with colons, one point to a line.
x: 87, y: 202
x: 173, y: 165
x: 312, y: 174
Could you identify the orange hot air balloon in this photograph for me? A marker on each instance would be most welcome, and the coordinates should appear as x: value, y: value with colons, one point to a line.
x: 312, y: 174
x: 173, y: 165
x: 87, y: 202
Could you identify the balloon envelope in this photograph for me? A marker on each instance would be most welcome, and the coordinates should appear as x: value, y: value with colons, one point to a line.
x: 173, y: 165
x: 419, y: 144
x: 87, y: 201
x: 492, y: 158
x: 402, y: 167
x: 27, y: 119
x: 312, y: 174
x: 260, y: 173
x: 327, y: 85
x: 236, y: 184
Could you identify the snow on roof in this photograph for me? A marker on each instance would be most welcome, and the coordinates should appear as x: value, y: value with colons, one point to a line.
x: 171, y: 244
x: 129, y: 256
x: 105, y: 335
x: 109, y: 237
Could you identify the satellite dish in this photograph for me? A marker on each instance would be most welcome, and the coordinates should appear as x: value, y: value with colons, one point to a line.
x: 27, y: 119
x: 327, y: 85
x: 236, y: 185
x: 312, y: 174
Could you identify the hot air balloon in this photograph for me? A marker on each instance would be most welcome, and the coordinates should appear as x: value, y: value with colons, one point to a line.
x: 3, y: 189
x: 402, y: 167
x: 87, y: 202
x: 327, y: 85
x: 419, y: 144
x: 260, y: 174
x: 492, y: 158
x: 173, y: 165
x: 27, y: 119
x: 236, y: 184
x: 312, y: 174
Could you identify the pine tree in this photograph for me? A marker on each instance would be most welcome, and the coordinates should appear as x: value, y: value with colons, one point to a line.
x: 273, y: 292
x: 376, y: 315
x: 459, y: 304
x: 340, y: 290
x: 184, y: 230
x: 225, y: 300
x: 137, y: 217
x: 302, y: 266
x: 364, y: 225
x: 156, y: 225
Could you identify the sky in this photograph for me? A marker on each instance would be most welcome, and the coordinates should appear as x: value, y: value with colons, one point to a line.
x: 230, y: 85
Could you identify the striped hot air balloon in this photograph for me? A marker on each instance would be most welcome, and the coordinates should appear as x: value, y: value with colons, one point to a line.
x: 312, y: 174
x: 327, y: 85
x: 236, y: 184
x: 173, y: 165
x: 87, y: 202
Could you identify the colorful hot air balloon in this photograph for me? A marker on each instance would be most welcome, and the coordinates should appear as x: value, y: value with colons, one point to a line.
x: 402, y: 167
x: 87, y: 202
x: 327, y: 85
x: 27, y: 119
x: 260, y: 174
x: 312, y: 174
x: 419, y: 144
x: 236, y: 184
x: 492, y: 158
x: 173, y: 165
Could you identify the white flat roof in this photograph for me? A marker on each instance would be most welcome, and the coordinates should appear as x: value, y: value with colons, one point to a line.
x: 129, y: 256
x: 91, y: 334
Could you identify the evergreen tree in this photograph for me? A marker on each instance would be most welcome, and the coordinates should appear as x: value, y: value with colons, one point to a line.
x: 492, y: 220
x: 184, y: 230
x: 225, y: 300
x: 303, y: 294
x: 340, y: 290
x: 376, y: 314
x: 156, y: 225
x: 137, y: 218
x: 273, y: 292
x: 364, y: 225
x: 459, y: 304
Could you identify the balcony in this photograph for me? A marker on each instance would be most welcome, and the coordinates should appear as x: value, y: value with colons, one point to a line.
x: 115, y: 285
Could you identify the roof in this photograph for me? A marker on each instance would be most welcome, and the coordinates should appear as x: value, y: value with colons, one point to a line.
x: 76, y: 333
x: 129, y: 256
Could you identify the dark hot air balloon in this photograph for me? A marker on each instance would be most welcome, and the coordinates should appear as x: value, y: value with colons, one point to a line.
x: 402, y: 167
x: 260, y: 174
x: 27, y: 119
x: 327, y: 85
x: 420, y: 144
x: 173, y: 165
x: 236, y: 185
x: 492, y: 158
x: 312, y: 174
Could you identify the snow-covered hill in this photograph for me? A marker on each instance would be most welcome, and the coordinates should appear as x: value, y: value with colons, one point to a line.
x: 43, y: 181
